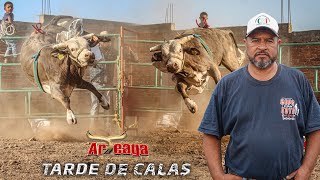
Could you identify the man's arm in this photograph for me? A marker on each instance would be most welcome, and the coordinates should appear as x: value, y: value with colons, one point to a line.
x: 310, y: 158
x: 212, y: 151
x: 312, y: 151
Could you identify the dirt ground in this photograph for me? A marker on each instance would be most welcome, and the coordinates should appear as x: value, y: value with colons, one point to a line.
x: 23, y: 159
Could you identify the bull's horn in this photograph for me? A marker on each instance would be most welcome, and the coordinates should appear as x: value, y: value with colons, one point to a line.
x: 155, y: 48
x: 104, y: 33
x: 59, y: 46
x: 88, y: 36
x: 107, y: 139
x: 185, y: 39
x: 62, y: 23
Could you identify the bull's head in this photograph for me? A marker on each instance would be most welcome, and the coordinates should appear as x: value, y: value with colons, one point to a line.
x: 172, y: 53
x: 78, y: 50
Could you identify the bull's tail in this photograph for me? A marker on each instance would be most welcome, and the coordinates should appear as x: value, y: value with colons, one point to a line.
x: 107, y: 139
x: 56, y: 19
x: 242, y: 57
x: 234, y: 40
x: 240, y: 54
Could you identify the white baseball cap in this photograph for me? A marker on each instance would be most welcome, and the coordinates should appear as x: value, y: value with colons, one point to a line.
x: 262, y: 20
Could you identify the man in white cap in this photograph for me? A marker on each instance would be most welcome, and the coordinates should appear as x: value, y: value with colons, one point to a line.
x: 266, y: 108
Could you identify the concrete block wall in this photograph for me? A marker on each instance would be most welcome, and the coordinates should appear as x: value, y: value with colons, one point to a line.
x: 291, y: 56
x: 12, y: 77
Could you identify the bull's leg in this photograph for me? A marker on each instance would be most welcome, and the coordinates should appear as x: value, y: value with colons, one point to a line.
x: 58, y: 94
x: 215, y: 73
x: 103, y: 100
x: 182, y: 87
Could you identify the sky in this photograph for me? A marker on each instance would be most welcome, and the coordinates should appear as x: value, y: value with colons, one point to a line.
x: 222, y: 13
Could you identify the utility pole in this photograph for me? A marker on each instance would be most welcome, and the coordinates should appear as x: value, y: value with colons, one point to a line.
x: 46, y: 7
x: 169, y: 14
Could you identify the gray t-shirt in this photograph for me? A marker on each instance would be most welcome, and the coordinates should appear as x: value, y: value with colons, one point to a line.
x: 6, y: 15
x: 266, y: 121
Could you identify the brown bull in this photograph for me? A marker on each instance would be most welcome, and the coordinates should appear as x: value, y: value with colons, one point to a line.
x: 194, y: 56
x: 60, y: 66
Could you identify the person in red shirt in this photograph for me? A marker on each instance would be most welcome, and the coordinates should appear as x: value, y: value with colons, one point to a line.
x: 203, y: 20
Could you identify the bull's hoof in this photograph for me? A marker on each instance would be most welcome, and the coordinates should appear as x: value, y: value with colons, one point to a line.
x: 192, y: 106
x: 106, y: 107
x: 71, y: 118
x: 193, y: 110
x: 105, y: 102
x: 33, y: 139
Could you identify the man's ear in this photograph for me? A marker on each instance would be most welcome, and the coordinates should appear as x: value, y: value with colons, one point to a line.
x: 192, y: 51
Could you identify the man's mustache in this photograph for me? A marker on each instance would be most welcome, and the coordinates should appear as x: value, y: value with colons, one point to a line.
x: 262, y: 53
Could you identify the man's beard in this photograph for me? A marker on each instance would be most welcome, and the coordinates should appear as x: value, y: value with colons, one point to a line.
x: 264, y: 63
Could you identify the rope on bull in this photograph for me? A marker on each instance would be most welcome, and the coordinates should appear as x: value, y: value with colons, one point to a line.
x: 204, y: 44
x: 35, y: 58
x: 38, y: 28
x: 35, y: 70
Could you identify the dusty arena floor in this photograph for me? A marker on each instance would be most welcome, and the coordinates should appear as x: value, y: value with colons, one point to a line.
x: 23, y: 159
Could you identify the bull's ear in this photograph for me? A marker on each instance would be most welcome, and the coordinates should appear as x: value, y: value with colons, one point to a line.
x: 95, y: 39
x: 192, y: 51
x: 103, y: 38
x: 60, y: 54
x: 60, y: 46
x: 54, y: 54
x: 88, y: 36
x: 156, y: 57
